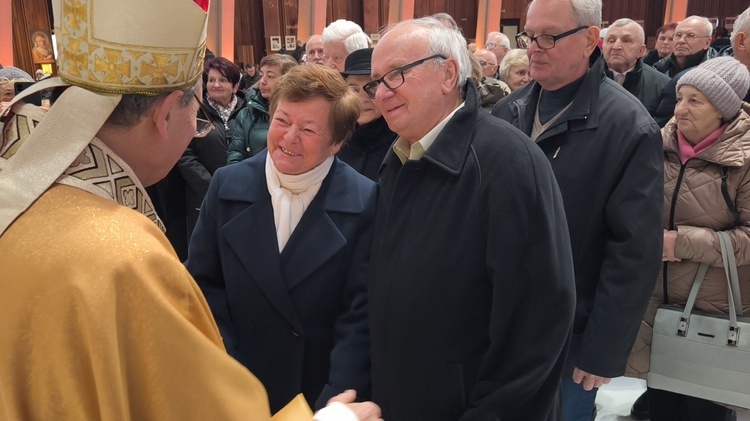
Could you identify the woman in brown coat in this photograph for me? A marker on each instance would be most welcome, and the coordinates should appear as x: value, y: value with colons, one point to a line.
x: 706, y: 158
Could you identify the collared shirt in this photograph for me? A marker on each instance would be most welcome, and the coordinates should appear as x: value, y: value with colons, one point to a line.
x: 406, y: 152
x: 620, y: 77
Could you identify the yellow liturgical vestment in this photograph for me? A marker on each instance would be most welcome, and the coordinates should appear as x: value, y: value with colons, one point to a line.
x: 101, y: 321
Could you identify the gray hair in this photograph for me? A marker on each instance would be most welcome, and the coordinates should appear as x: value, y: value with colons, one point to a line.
x: 133, y: 107
x: 626, y: 21
x: 442, y: 16
x: 587, y: 12
x: 514, y: 57
x: 707, y: 23
x: 741, y: 24
x: 348, y: 32
x: 504, y: 41
x: 447, y: 42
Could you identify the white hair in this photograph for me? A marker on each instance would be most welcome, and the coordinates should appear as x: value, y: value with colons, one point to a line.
x: 587, y: 12
x: 504, y: 41
x: 741, y: 24
x: 348, y: 32
x: 625, y: 21
x: 514, y: 57
x: 709, y: 27
x: 447, y: 42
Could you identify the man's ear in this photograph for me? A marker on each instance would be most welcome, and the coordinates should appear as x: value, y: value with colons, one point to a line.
x: 162, y: 112
x: 592, y: 39
x: 642, y: 51
x: 451, y: 74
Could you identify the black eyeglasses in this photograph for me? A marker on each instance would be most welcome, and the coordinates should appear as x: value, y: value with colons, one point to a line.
x: 544, y: 41
x: 395, y: 78
x: 202, y: 126
x: 689, y: 37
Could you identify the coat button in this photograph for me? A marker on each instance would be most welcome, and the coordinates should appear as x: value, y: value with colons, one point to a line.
x: 295, y: 332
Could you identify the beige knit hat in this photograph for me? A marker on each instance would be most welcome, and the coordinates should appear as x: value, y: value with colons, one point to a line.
x: 723, y: 80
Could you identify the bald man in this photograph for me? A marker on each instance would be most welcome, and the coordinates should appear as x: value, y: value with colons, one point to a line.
x: 499, y: 44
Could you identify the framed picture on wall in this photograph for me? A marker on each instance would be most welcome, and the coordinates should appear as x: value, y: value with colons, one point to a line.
x: 290, y: 42
x: 41, y: 47
x: 275, y: 43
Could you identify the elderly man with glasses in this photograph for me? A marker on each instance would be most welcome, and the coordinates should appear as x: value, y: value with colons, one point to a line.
x: 471, y: 290
x: 499, y: 44
x: 691, y: 46
x: 605, y: 150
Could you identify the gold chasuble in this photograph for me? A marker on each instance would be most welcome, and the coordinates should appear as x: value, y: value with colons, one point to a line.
x: 99, y: 320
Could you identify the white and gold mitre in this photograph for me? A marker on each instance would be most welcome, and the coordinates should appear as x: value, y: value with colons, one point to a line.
x: 111, y: 45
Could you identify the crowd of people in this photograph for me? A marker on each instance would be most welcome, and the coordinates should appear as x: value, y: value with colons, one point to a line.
x: 422, y: 229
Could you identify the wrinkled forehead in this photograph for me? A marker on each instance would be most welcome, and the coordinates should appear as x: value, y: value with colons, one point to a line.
x: 487, y: 56
x: 401, y: 45
x: 629, y: 29
x: 695, y: 26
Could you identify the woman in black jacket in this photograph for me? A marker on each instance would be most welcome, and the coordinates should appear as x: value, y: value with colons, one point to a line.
x: 204, y: 156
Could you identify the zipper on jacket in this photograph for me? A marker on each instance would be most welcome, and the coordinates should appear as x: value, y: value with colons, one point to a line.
x: 672, y: 207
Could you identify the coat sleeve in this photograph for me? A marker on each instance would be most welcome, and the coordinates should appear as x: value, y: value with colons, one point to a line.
x: 632, y: 256
x: 702, y: 244
x: 204, y: 263
x: 196, y: 175
x: 533, y: 299
x: 665, y: 110
x: 237, y: 150
x: 350, y: 356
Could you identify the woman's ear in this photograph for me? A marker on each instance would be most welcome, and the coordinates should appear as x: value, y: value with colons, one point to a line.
x: 162, y: 112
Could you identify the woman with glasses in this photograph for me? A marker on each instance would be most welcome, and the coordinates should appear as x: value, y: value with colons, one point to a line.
x: 208, y: 152
x: 282, y: 247
x: 250, y: 132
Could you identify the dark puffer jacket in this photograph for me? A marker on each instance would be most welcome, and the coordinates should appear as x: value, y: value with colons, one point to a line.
x: 250, y: 133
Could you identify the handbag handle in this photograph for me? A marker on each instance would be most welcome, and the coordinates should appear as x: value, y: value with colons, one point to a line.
x: 733, y: 290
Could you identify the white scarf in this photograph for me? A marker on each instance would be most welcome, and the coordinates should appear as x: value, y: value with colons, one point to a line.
x: 291, y: 195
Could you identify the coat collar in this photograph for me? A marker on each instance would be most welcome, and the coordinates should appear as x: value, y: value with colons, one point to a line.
x: 451, y: 147
x: 339, y: 197
x: 583, y: 114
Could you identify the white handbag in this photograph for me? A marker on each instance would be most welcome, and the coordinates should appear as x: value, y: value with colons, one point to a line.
x: 704, y: 355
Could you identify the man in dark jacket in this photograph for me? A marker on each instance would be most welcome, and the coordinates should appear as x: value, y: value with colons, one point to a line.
x: 471, y: 291
x: 692, y: 40
x: 623, y: 45
x: 606, y: 153
x: 692, y: 46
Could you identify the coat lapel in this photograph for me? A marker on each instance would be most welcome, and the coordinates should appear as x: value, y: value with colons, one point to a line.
x: 317, y: 238
x: 251, y: 235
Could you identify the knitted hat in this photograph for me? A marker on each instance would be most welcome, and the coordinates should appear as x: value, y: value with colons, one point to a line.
x: 14, y: 73
x: 723, y: 80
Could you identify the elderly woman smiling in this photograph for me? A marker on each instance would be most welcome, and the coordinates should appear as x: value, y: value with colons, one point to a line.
x: 282, y: 247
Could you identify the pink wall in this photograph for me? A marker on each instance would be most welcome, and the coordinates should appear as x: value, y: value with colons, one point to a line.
x: 6, y: 33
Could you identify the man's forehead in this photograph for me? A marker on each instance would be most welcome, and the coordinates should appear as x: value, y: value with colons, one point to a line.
x: 691, y: 25
x: 486, y: 56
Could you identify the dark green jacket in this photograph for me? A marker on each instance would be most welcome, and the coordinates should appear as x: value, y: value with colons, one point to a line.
x: 250, y: 131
